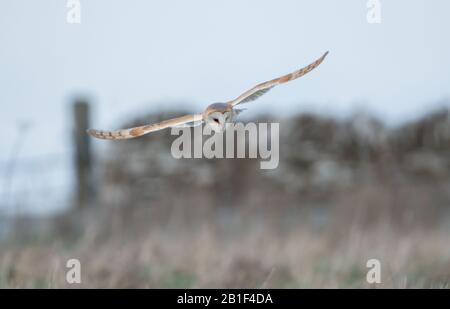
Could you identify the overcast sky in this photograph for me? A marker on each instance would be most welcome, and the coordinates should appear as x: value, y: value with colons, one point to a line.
x: 132, y: 57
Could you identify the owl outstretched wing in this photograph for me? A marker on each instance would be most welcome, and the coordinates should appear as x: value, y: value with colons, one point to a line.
x: 263, y: 88
x: 142, y: 130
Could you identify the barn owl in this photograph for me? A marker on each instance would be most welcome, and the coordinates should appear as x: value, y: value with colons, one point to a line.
x: 216, y: 115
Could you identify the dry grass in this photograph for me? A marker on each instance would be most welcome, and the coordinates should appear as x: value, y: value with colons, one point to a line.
x: 202, y: 247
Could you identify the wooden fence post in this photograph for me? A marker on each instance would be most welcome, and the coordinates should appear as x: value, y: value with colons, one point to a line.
x: 84, y: 191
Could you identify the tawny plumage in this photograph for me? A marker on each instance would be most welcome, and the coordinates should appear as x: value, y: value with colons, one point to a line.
x: 139, y: 131
x: 263, y: 88
x: 216, y: 115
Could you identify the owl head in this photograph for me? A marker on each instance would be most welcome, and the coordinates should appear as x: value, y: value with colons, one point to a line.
x: 218, y: 115
x: 218, y: 121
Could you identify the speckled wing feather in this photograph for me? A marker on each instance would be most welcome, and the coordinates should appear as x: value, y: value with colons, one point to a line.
x: 139, y: 131
x: 263, y: 88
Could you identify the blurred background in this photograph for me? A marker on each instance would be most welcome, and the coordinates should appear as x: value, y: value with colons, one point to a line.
x: 364, y: 166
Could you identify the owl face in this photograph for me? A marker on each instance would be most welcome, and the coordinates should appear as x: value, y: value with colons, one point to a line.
x: 218, y: 120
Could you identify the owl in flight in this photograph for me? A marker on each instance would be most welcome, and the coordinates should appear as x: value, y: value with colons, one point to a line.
x: 216, y: 115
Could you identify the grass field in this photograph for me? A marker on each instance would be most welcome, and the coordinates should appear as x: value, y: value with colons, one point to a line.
x: 199, y: 247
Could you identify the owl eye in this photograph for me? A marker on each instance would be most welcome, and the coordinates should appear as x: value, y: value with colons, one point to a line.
x: 216, y: 120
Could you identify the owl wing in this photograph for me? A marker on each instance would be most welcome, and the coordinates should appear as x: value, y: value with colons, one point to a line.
x: 139, y: 131
x: 263, y: 88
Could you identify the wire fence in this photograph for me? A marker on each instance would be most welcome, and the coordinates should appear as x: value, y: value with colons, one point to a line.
x: 51, y: 182
x: 36, y: 185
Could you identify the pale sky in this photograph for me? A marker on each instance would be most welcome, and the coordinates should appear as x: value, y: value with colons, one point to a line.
x: 133, y: 57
